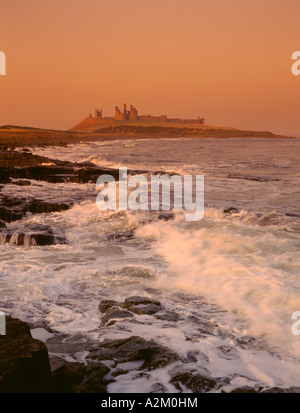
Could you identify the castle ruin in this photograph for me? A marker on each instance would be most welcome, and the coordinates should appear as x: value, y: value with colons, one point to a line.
x: 132, y: 115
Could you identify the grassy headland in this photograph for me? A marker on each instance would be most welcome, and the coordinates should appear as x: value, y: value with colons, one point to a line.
x: 22, y: 136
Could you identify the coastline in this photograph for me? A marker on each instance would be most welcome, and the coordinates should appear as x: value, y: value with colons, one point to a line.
x: 19, y: 136
x: 21, y: 168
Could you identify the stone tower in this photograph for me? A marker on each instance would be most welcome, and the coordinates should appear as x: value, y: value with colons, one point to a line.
x: 98, y: 113
x: 133, y: 114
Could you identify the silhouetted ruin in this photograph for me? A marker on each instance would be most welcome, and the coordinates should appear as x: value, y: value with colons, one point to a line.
x: 132, y: 114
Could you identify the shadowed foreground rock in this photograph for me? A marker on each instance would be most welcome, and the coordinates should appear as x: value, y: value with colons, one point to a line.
x: 24, y: 363
x: 132, y: 349
x: 78, y: 378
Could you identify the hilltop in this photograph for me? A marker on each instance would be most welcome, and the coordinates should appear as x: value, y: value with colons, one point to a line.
x: 130, y: 122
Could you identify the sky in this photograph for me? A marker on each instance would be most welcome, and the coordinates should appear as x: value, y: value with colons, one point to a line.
x: 226, y: 60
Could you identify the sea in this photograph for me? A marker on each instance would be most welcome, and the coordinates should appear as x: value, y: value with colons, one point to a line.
x: 232, y: 280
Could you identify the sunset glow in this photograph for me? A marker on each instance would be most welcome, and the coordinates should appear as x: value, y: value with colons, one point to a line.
x: 227, y: 61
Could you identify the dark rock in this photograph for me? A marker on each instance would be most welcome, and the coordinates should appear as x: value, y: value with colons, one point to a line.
x: 165, y: 216
x: 37, y: 206
x: 31, y: 235
x: 293, y: 389
x: 246, y: 389
x: 2, y: 224
x: 21, y: 183
x: 21, y: 165
x: 105, y: 304
x: 115, y: 312
x: 66, y: 376
x: 259, y: 389
x: 77, y: 377
x: 40, y: 234
x: 167, y: 316
x: 194, y: 382
x: 24, y: 363
x: 137, y: 300
x: 145, y: 309
x: 94, y: 381
x: 4, y: 179
x: 231, y: 210
x: 142, y: 305
x: 121, y: 236
x: 13, y: 209
x: 91, y: 174
x: 158, y: 388
x: 132, y: 349
x: 66, y: 344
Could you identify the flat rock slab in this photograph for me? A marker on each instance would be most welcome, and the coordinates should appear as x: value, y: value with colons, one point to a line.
x: 134, y: 348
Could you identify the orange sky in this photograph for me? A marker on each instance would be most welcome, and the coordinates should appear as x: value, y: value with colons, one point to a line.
x: 226, y: 60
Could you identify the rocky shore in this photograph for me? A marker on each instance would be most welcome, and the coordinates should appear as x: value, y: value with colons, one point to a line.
x: 27, y: 365
x: 18, y: 136
x: 20, y: 169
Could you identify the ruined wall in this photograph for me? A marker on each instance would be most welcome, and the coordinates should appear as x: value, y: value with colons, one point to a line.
x: 98, y: 113
x: 118, y: 114
x: 162, y: 118
x: 132, y: 114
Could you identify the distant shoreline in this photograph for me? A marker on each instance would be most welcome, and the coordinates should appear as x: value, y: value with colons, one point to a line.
x: 21, y: 136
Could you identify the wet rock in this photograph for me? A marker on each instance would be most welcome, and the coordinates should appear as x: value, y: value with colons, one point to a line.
x: 138, y: 300
x: 293, y: 389
x: 134, y: 348
x: 142, y: 305
x: 121, y: 236
x: 148, y: 309
x: 37, y: 206
x: 158, y: 388
x: 91, y: 174
x: 105, y: 304
x: 259, y: 389
x: 115, y: 313
x: 24, y: 363
x: 13, y: 209
x: 231, y: 210
x: 2, y: 224
x: 94, y: 380
x: 4, y: 178
x: 78, y: 378
x: 246, y: 389
x: 31, y: 235
x: 194, y: 382
x: 68, y: 344
x: 22, y: 165
x: 21, y: 183
x: 166, y: 216
x: 167, y: 316
x: 40, y: 234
